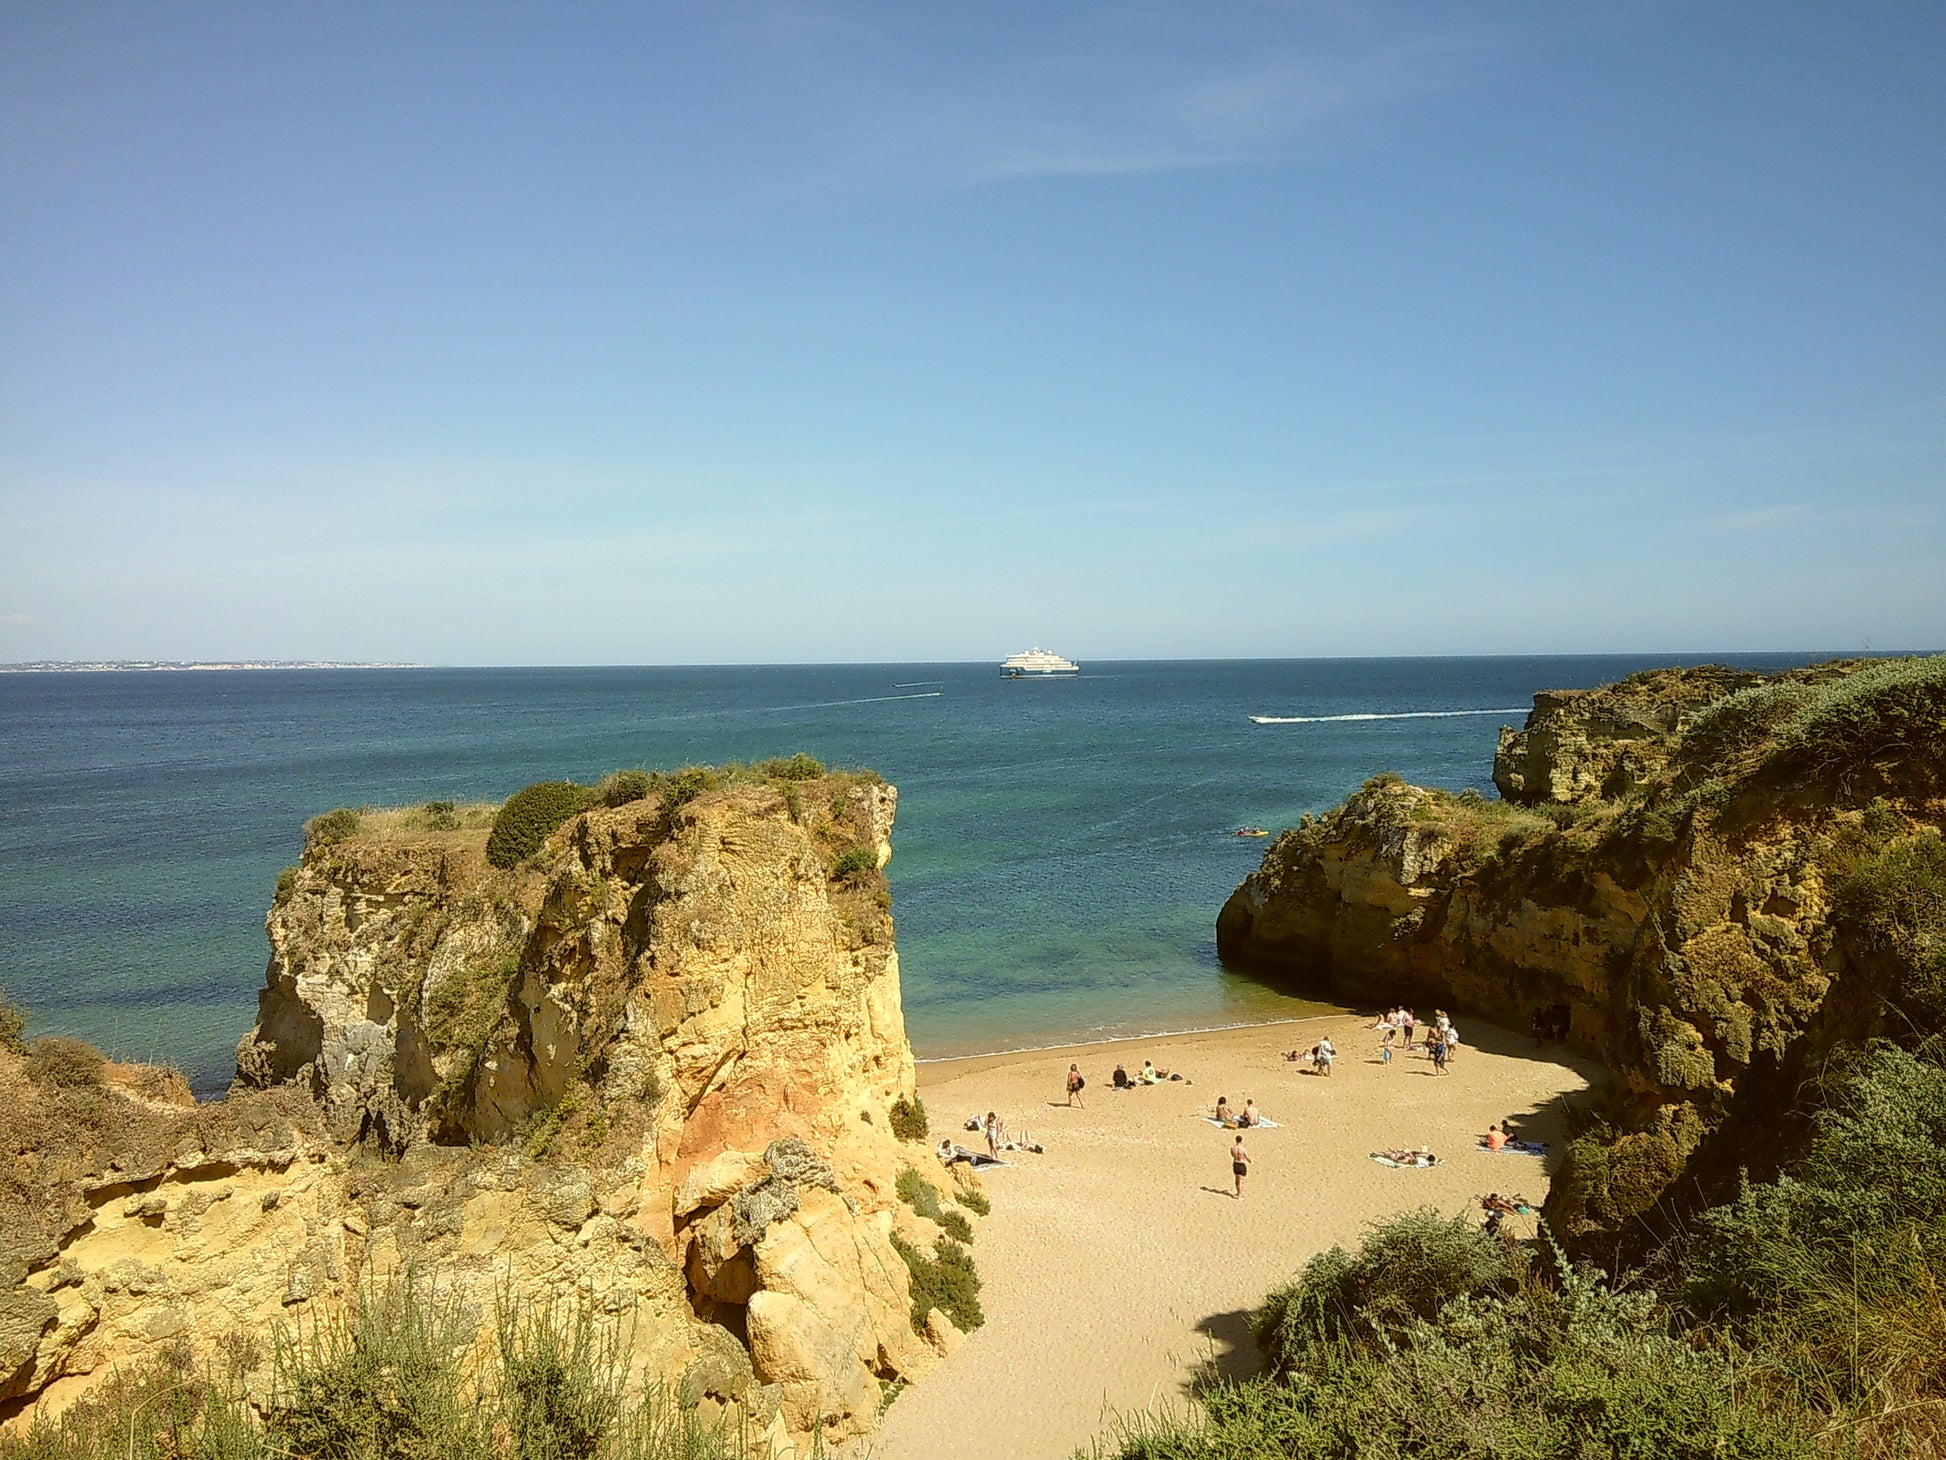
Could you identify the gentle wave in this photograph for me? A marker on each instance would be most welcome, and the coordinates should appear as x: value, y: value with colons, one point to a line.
x: 931, y: 694
x: 1397, y: 715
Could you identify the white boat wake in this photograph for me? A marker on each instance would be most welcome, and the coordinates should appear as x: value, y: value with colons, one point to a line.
x: 1399, y: 715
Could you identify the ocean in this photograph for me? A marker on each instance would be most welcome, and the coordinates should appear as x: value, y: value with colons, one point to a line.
x: 1061, y: 851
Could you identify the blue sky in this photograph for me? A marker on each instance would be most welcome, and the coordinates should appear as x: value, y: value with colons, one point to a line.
x: 773, y: 332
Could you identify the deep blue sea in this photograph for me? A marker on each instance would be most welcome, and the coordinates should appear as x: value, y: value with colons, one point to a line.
x: 1061, y: 852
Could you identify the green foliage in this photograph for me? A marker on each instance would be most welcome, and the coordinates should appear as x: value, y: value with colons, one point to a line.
x: 397, y: 1379
x: 1726, y: 730
x: 1409, y: 1267
x: 441, y: 815
x: 799, y: 767
x: 560, y: 1379
x: 618, y: 788
x: 946, y: 1281
x: 286, y: 885
x: 13, y: 1026
x: 1837, y: 1267
x: 530, y: 816
x: 680, y: 787
x: 909, y: 1121
x: 918, y: 1193
x: 334, y: 826
x: 975, y: 1202
x: 924, y: 1198
x: 1894, y: 707
x: 386, y: 1380
x: 854, y: 863
x: 1531, y: 1373
x: 1890, y: 892
x: 66, y: 1064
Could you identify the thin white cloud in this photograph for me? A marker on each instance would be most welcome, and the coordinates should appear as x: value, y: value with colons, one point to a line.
x: 18, y: 621
x: 1100, y: 94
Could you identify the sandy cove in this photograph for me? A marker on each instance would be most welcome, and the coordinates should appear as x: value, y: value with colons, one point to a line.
x: 1118, y: 1262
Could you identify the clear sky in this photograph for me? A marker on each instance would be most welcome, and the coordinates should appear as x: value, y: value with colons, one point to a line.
x: 477, y: 333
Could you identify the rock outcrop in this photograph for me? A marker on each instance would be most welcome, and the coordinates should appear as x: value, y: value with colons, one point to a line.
x: 1684, y: 905
x: 651, y: 1066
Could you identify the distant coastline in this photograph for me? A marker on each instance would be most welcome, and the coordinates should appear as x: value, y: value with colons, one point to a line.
x: 97, y: 666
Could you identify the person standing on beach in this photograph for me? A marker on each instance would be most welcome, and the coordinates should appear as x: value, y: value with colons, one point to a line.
x: 993, y: 1135
x: 1075, y: 1083
x: 1239, y: 1163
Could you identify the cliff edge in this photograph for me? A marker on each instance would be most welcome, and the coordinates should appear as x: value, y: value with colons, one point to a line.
x: 1710, y: 881
x: 649, y: 1058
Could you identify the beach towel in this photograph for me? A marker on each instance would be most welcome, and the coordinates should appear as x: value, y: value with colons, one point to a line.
x: 1385, y: 1160
x: 1261, y: 1124
x: 1517, y: 1148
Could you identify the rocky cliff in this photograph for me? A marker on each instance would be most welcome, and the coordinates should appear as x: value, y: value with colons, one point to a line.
x: 1718, y: 882
x: 650, y: 1064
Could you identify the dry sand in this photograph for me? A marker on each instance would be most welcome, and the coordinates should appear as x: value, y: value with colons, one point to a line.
x: 1118, y: 1262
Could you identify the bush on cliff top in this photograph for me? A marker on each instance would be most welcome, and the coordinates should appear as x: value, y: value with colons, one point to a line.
x: 530, y: 816
x: 909, y: 1121
x: 13, y: 1025
x: 332, y: 826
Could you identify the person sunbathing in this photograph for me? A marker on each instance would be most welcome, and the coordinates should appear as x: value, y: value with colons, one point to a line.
x: 1251, y: 1115
x: 1151, y: 1075
x: 1224, y: 1115
x: 1496, y: 1138
x: 1122, y: 1081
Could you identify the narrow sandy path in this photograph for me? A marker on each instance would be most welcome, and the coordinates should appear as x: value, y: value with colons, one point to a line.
x: 1118, y: 1262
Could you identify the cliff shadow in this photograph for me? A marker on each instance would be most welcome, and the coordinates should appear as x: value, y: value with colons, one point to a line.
x: 1233, y: 1356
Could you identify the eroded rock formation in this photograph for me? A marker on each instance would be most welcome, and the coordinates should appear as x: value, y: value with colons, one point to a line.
x: 1692, y: 919
x: 650, y: 1067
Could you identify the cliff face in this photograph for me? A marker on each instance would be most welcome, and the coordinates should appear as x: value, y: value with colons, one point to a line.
x: 651, y: 1065
x: 1693, y: 919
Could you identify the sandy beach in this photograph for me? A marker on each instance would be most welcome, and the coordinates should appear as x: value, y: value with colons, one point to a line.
x: 1118, y: 1262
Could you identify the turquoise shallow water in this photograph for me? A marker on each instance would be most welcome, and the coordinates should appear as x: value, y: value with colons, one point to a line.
x: 1061, y: 852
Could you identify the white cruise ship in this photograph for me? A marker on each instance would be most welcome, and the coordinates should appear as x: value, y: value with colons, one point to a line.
x: 1037, y: 663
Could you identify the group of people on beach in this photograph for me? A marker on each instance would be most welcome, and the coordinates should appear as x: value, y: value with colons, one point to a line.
x: 1243, y: 1119
x: 1400, y: 1025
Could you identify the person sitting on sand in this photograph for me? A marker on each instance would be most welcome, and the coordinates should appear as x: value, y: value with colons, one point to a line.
x: 1122, y: 1081
x: 1496, y: 1138
x: 1151, y: 1075
x: 1251, y: 1115
x: 1224, y: 1115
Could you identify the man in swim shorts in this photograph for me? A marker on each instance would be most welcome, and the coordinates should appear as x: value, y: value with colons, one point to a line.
x: 1239, y: 1163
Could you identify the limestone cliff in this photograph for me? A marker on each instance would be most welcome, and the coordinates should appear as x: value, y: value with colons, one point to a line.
x: 651, y: 1064
x: 1701, y: 917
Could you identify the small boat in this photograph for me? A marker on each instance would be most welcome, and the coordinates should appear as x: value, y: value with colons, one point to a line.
x: 1249, y: 831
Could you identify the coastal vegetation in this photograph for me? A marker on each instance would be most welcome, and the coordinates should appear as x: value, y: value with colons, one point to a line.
x: 908, y: 1115
x: 1732, y: 891
x: 1801, y: 1319
x: 946, y: 1281
x: 399, y: 1376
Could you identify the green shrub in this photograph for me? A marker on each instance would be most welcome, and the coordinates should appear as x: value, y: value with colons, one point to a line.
x: 286, y: 885
x: 1726, y: 730
x: 975, y: 1202
x: 333, y: 826
x: 956, y: 1225
x: 854, y: 863
x: 399, y: 1378
x: 909, y: 1121
x: 918, y: 1193
x: 530, y: 816
x: 66, y: 1064
x: 680, y: 787
x: 1409, y: 1267
x: 1890, y: 892
x: 1894, y: 707
x: 560, y: 1379
x: 799, y: 767
x: 946, y: 1281
x: 1573, y: 1372
x: 618, y: 788
x: 385, y: 1380
x: 441, y: 815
